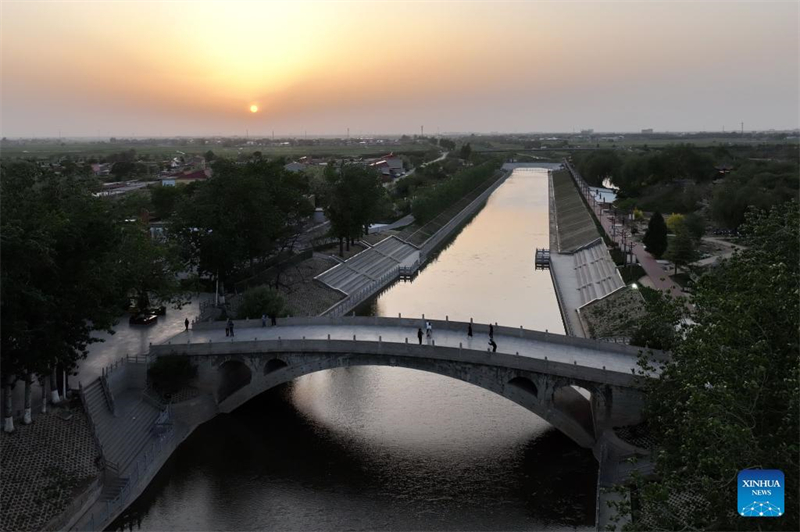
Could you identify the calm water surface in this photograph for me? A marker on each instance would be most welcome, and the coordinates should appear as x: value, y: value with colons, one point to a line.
x: 373, y: 448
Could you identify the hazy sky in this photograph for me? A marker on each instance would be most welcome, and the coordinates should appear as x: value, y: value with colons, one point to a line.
x: 195, y: 68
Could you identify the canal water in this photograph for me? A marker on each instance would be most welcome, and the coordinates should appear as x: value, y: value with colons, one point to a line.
x: 378, y: 448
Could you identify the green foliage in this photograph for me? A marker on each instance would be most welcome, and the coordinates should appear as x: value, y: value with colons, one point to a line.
x: 133, y: 204
x: 617, y: 255
x: 681, y: 250
x: 244, y: 214
x: 62, y: 277
x: 151, y: 267
x: 655, y: 238
x: 696, y: 225
x: 164, y: 200
x: 597, y: 165
x: 727, y: 399
x: 632, y: 273
x: 658, y: 329
x: 465, y: 152
x: 259, y: 301
x: 355, y: 198
x: 760, y: 184
x: 171, y: 373
x: 675, y: 222
x: 433, y: 200
x: 447, y: 144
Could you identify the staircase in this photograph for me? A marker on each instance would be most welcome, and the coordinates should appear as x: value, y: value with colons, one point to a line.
x: 113, y: 488
x: 121, y: 437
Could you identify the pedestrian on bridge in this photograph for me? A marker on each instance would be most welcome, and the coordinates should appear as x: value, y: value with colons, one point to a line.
x: 419, y: 336
x: 491, y: 331
x: 494, y: 345
x: 263, y: 320
x: 428, y: 329
x: 227, y: 328
x: 186, y: 323
x: 469, y: 330
x: 230, y: 325
x: 273, y: 320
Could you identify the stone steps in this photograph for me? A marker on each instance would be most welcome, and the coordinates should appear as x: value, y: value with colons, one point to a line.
x: 124, y: 436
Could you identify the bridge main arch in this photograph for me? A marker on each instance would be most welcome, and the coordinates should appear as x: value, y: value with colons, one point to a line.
x: 539, y: 393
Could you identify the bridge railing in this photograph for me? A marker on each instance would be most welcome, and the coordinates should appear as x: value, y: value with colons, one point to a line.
x: 566, y: 365
x: 412, y: 323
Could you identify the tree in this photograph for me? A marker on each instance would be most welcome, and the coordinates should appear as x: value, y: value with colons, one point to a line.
x: 675, y: 222
x: 726, y: 400
x: 240, y: 217
x: 124, y: 169
x: 151, y: 268
x: 209, y: 155
x: 466, y: 151
x: 655, y: 238
x: 261, y: 301
x: 164, y: 200
x: 354, y: 200
x: 681, y: 250
x: 696, y: 225
x: 62, y: 278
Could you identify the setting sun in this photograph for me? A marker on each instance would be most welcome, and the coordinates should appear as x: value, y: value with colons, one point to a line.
x: 253, y: 108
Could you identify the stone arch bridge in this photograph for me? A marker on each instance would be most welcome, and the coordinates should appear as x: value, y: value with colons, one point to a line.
x: 541, y: 371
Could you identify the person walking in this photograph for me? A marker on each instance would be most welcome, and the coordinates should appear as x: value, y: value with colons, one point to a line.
x: 227, y: 328
x: 428, y: 329
x: 273, y: 320
x: 491, y: 331
x: 494, y: 345
x: 263, y: 320
x: 186, y: 323
x: 230, y: 325
x: 469, y: 330
x: 419, y: 336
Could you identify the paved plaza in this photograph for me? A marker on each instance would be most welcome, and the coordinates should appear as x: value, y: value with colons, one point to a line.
x: 44, y: 466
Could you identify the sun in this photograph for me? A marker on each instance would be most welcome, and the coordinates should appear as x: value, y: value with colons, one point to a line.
x: 254, y: 108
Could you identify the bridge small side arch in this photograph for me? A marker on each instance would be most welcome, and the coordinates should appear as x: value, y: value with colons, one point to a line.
x: 524, y: 384
x: 274, y: 365
x: 234, y: 375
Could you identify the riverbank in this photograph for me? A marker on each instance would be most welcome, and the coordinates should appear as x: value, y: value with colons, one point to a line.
x: 371, y: 271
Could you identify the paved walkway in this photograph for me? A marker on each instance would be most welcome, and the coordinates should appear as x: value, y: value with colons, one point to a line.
x: 533, y: 344
x: 659, y: 277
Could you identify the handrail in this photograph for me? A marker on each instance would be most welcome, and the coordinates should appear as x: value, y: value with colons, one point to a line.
x: 137, y: 473
x: 107, y: 393
x: 92, y: 426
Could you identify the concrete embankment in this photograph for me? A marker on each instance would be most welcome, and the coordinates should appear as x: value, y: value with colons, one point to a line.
x: 366, y: 274
x: 581, y: 266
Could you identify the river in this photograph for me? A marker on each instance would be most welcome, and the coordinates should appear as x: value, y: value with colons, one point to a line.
x: 378, y: 448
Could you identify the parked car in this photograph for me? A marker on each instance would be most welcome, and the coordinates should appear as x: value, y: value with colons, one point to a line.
x: 147, y: 318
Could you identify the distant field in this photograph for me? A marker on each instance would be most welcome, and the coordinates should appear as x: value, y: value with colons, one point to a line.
x: 87, y: 149
x: 702, y: 142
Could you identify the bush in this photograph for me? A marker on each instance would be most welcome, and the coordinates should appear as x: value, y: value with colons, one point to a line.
x: 171, y: 373
x: 632, y: 273
x: 259, y: 301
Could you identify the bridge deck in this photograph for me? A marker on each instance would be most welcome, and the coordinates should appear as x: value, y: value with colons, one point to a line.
x: 531, y: 344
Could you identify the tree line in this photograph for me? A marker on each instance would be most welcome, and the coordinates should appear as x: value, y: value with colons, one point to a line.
x: 681, y: 178
x: 727, y: 399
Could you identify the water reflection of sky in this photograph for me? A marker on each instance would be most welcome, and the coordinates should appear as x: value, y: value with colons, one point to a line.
x: 488, y: 272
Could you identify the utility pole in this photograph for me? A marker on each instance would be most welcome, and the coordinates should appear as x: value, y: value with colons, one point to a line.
x: 743, y: 129
x: 348, y: 133
x: 421, y: 131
